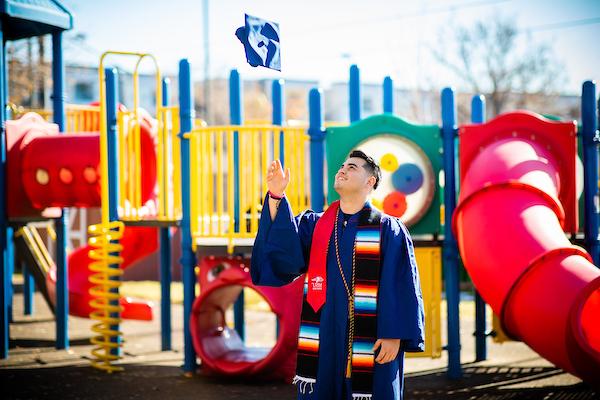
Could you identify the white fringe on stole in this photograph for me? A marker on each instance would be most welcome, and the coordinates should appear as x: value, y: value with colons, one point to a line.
x: 303, y: 382
x: 361, y: 396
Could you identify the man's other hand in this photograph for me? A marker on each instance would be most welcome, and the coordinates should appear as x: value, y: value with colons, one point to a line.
x: 388, y: 350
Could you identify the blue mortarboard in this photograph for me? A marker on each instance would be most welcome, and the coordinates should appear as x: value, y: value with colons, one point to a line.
x: 261, y: 42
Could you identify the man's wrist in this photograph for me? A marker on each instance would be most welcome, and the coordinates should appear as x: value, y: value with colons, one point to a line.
x: 275, y: 196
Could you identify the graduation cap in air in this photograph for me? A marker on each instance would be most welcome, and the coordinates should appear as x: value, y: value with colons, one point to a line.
x: 261, y: 42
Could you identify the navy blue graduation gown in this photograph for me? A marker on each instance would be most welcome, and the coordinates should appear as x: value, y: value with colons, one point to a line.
x: 280, y: 255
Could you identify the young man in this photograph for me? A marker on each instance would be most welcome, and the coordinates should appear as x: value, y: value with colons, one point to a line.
x: 362, y: 305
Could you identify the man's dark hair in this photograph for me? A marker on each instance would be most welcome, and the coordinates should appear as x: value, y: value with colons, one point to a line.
x: 370, y: 165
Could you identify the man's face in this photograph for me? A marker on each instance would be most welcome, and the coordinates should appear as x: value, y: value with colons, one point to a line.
x: 352, y: 177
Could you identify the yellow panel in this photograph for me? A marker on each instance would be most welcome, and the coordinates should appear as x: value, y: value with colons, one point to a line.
x: 429, y: 262
x: 500, y: 336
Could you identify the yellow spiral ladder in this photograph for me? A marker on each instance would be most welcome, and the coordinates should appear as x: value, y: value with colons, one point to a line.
x: 105, y: 240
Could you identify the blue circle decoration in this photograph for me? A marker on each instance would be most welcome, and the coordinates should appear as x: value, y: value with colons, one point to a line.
x: 408, y: 178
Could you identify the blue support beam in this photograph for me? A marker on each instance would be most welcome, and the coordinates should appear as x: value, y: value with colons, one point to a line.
x: 60, y: 224
x: 354, y: 94
x: 278, y: 100
x: 165, y: 261
x: 388, y: 95
x: 3, y: 211
x: 236, y: 116
x: 450, y: 248
x: 591, y: 138
x: 10, y: 250
x: 188, y: 258
x: 28, y: 289
x: 478, y: 117
x: 10, y: 262
x: 316, y: 131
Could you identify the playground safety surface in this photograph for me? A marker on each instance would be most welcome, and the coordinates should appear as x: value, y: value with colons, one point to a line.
x: 35, y: 370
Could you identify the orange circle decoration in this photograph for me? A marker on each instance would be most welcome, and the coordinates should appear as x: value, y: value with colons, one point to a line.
x: 90, y: 175
x: 66, y: 176
x: 389, y: 162
x: 394, y: 204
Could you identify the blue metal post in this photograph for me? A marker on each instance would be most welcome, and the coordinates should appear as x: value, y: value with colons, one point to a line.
x: 388, y: 95
x: 10, y: 250
x: 112, y: 90
x: 60, y: 224
x: 188, y: 258
x: 279, y: 114
x: 3, y: 211
x: 589, y: 122
x: 316, y: 131
x: 450, y: 250
x: 278, y: 118
x: 236, y: 115
x: 10, y: 262
x: 354, y: 94
x: 165, y: 262
x: 28, y: 286
x: 478, y: 117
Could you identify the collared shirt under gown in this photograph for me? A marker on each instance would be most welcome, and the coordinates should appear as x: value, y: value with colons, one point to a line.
x: 280, y: 255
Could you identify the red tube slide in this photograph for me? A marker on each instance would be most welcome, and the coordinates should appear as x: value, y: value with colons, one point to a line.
x: 137, y: 242
x: 47, y: 169
x: 517, y: 198
x: 220, y: 347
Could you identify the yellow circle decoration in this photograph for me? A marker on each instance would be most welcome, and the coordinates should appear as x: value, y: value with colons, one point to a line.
x: 389, y: 162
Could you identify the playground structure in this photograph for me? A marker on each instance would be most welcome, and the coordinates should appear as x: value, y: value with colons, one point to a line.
x: 208, y: 180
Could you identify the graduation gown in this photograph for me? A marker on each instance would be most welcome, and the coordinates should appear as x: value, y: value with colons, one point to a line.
x: 280, y: 255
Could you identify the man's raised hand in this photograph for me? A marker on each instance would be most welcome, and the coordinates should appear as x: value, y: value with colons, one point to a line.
x: 277, y: 179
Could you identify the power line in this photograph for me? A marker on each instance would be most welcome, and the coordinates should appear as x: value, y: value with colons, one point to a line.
x: 563, y: 24
x: 416, y: 14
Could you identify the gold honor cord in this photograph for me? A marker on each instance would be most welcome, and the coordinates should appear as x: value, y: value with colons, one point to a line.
x: 349, y: 292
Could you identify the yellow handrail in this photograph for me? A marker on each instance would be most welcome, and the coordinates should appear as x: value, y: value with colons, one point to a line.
x: 213, y: 173
x: 79, y: 118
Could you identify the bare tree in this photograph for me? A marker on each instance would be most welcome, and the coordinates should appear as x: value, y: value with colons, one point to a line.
x: 489, y: 58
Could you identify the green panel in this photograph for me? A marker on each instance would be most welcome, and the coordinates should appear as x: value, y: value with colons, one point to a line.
x: 340, y: 141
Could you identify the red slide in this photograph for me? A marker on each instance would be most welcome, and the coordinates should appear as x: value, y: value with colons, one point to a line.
x: 137, y: 242
x: 517, y: 199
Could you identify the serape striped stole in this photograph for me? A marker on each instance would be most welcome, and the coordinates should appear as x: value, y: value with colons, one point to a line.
x: 367, y: 246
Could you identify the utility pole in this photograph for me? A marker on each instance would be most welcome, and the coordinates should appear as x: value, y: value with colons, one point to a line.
x: 206, y: 62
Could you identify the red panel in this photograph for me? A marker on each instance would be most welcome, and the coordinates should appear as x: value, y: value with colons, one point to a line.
x: 59, y: 157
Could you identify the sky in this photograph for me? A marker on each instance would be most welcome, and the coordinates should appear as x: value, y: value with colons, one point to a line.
x: 320, y: 39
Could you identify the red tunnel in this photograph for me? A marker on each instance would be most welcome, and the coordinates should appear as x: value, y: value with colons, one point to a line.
x: 517, y: 199
x: 220, y: 348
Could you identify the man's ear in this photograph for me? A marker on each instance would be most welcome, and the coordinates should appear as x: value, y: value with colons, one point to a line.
x: 372, y: 181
